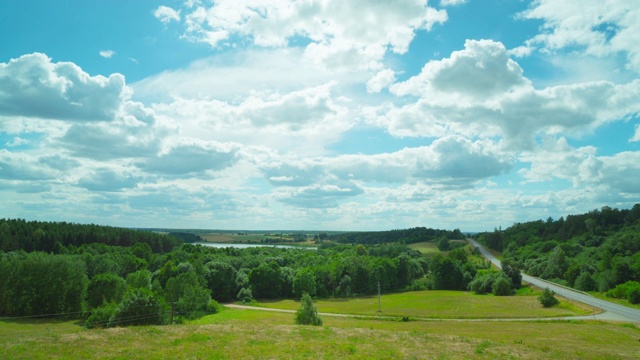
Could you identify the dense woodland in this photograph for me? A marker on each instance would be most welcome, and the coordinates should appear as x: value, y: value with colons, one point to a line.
x: 596, y: 251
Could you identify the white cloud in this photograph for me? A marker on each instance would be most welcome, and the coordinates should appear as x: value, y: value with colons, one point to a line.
x: 33, y: 86
x: 482, y: 70
x: 480, y: 91
x: 556, y: 159
x: 452, y: 2
x: 636, y: 135
x: 107, y: 54
x: 340, y: 33
x: 381, y: 80
x: 303, y: 121
x: 237, y: 74
x: 166, y: 14
x: 106, y: 179
x: 191, y: 156
x: 600, y: 27
x: 17, y: 141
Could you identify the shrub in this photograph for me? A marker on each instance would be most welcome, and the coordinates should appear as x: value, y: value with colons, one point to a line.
x: 502, y: 286
x: 245, y: 295
x: 307, y: 314
x: 99, y: 317
x: 634, y: 295
x: 547, y: 298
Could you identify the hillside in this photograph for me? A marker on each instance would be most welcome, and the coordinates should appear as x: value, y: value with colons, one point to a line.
x: 595, y: 251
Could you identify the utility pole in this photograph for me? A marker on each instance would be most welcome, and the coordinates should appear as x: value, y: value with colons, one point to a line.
x: 379, y: 297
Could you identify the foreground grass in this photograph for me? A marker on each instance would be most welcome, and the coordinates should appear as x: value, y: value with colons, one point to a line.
x: 443, y: 305
x: 248, y: 334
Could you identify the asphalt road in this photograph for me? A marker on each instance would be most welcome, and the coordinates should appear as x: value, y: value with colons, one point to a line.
x: 611, y: 311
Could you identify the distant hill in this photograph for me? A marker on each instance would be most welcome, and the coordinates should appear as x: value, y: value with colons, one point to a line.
x: 407, y: 236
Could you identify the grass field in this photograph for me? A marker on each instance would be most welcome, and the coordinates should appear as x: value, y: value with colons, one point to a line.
x: 247, y: 334
x: 443, y: 305
x: 427, y: 249
x: 231, y: 238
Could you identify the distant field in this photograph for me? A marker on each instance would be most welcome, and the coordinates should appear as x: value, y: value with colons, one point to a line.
x: 428, y: 249
x: 442, y: 305
x: 241, y: 238
x: 248, y: 334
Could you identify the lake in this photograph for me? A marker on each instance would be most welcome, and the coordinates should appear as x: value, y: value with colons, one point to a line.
x: 246, y: 246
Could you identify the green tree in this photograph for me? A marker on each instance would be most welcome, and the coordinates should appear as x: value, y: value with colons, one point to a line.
x: 221, y: 279
x: 104, y: 289
x: 304, y: 282
x: 344, y: 288
x: 186, y: 296
x: 443, y: 244
x: 307, y: 314
x: 138, y: 307
x: 265, y: 280
x: 547, y: 298
x: 585, y: 282
x: 139, y: 279
x: 501, y: 286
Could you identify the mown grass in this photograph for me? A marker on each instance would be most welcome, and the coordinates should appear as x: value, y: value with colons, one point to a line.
x: 427, y: 249
x: 442, y: 305
x: 250, y: 334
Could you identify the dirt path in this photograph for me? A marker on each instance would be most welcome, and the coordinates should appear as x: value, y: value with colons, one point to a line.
x: 606, y: 316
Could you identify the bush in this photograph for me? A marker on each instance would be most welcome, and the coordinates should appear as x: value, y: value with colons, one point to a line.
x: 213, y: 307
x: 99, y: 317
x: 634, y: 295
x: 502, y: 286
x: 585, y: 282
x: 307, y: 314
x: 245, y: 295
x: 547, y: 298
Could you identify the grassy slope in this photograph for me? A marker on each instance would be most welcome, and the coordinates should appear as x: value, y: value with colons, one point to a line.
x: 258, y: 335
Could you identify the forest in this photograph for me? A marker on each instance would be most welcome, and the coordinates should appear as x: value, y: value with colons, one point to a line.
x: 110, y: 276
x: 595, y: 251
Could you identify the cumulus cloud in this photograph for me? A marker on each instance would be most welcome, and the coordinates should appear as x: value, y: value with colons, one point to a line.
x: 190, y: 156
x: 166, y: 14
x: 480, y: 91
x: 106, y: 179
x: 340, y: 33
x: 482, y: 70
x: 381, y: 80
x: 21, y: 166
x: 601, y: 28
x: 33, y: 86
x: 448, y: 162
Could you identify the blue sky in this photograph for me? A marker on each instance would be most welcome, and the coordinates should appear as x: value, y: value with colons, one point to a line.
x: 317, y: 115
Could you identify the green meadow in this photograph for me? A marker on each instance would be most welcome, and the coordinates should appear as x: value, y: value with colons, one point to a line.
x: 452, y: 329
x: 250, y: 334
x: 443, y: 304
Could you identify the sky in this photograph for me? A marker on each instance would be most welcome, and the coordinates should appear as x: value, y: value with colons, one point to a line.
x: 318, y: 114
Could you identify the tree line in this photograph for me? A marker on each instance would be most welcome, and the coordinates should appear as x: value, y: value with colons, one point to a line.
x: 595, y: 251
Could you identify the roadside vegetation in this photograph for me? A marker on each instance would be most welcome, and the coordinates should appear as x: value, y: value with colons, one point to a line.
x: 597, y: 251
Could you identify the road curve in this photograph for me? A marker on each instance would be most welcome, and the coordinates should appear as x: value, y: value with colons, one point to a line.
x: 612, y: 311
